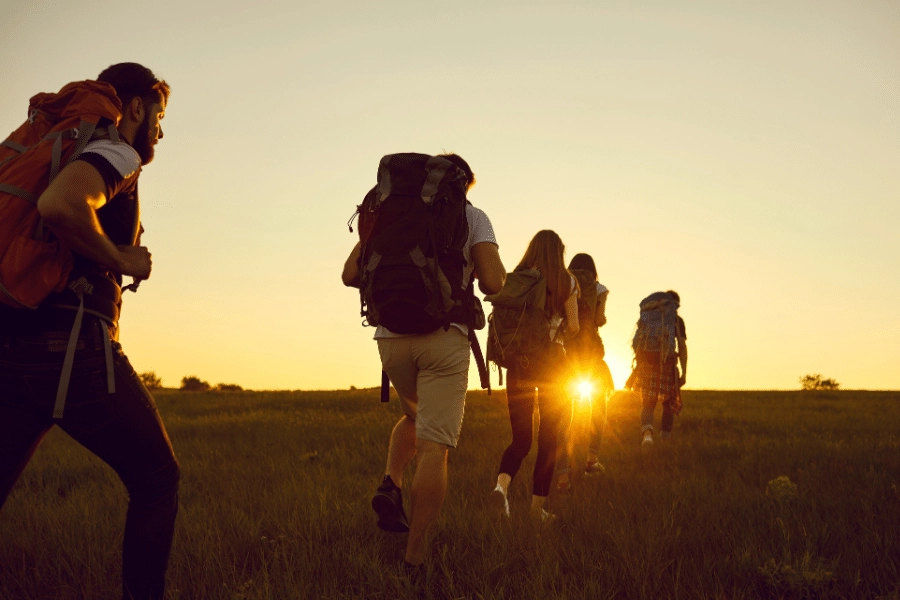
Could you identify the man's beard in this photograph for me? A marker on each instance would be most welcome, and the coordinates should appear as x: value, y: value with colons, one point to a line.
x: 142, y: 143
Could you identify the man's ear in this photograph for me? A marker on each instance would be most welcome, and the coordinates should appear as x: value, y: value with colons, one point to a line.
x: 135, y: 109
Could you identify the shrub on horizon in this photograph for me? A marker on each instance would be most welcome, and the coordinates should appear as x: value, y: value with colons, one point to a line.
x: 815, y: 382
x: 228, y: 387
x: 151, y: 380
x: 194, y: 384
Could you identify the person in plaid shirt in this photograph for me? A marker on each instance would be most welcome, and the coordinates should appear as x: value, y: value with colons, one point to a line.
x: 660, y: 347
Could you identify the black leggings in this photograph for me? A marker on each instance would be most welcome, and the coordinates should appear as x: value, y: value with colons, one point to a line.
x: 552, y: 406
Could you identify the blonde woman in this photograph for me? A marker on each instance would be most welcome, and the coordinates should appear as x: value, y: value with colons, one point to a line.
x: 541, y: 380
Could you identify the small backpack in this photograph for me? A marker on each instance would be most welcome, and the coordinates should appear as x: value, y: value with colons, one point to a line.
x: 519, y: 326
x: 588, y: 338
x: 413, y: 231
x: 657, y: 326
x: 33, y: 263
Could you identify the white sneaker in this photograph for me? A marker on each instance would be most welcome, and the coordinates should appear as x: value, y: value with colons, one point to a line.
x: 543, y: 515
x: 498, y: 497
x: 648, y: 439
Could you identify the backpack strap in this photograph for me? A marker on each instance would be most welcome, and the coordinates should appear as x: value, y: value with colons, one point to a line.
x: 385, y: 386
x: 18, y: 192
x: 80, y: 286
x: 437, y: 168
x: 479, y: 361
x: 14, y: 145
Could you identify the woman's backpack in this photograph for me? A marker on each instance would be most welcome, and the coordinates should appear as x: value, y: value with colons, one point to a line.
x: 33, y: 263
x: 519, y: 327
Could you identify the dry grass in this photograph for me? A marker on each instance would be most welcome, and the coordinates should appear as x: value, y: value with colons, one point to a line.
x: 276, y: 486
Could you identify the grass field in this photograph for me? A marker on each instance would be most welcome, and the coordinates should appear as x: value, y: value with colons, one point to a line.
x: 276, y: 487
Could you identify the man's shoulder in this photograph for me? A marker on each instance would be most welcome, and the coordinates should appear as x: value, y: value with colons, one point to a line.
x: 480, y: 228
x: 122, y: 157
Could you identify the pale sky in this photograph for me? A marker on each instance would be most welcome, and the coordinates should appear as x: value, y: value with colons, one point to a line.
x: 743, y: 154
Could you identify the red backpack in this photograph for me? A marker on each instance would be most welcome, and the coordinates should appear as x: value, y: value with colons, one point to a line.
x: 33, y: 263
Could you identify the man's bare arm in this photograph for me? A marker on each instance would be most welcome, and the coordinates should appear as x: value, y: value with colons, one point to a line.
x: 69, y: 208
x: 350, y: 276
x: 489, y: 269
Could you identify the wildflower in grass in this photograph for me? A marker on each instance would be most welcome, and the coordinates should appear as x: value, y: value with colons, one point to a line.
x: 782, y: 489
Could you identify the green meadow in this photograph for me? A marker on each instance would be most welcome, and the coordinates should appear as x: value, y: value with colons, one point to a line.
x: 276, y: 486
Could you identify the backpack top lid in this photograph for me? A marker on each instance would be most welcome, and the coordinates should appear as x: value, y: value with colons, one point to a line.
x: 89, y: 100
x: 659, y: 301
x: 522, y: 286
x: 415, y: 174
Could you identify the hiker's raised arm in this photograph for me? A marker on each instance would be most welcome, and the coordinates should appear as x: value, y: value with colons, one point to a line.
x: 350, y: 276
x: 68, y: 207
x: 489, y: 269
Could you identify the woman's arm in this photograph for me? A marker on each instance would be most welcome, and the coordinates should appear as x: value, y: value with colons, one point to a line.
x: 572, y: 314
x: 600, y: 315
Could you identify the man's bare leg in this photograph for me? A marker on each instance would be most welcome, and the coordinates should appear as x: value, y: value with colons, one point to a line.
x: 429, y: 488
x: 401, y: 449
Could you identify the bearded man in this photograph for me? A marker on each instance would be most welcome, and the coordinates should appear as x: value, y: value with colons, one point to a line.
x: 61, y: 364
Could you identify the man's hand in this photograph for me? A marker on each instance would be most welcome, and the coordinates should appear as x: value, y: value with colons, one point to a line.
x: 135, y: 261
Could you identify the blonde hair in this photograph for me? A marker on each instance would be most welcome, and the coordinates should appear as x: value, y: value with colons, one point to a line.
x: 546, y: 253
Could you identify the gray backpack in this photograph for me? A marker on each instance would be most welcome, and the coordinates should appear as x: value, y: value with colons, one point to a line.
x: 657, y: 326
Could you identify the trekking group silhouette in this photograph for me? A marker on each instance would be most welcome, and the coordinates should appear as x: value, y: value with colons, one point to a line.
x: 70, y: 230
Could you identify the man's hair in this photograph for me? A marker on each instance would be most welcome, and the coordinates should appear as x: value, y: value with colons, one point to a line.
x: 132, y: 80
x: 583, y: 262
x: 457, y: 160
x: 675, y: 295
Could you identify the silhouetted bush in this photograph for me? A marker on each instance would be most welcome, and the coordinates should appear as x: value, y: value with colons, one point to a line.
x: 194, y: 384
x: 815, y: 382
x: 228, y: 387
x: 151, y: 380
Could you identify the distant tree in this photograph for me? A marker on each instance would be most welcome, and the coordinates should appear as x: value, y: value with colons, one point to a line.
x: 815, y: 382
x: 151, y: 380
x: 194, y: 384
x: 228, y: 387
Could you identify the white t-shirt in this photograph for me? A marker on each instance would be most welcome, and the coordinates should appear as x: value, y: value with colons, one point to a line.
x: 480, y: 231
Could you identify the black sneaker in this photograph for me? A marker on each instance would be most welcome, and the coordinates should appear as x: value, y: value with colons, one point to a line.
x: 388, y: 504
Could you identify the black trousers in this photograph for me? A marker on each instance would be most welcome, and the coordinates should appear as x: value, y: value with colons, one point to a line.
x: 542, y: 382
x: 124, y: 429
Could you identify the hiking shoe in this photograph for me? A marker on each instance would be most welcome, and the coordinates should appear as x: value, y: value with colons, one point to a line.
x: 648, y: 439
x: 594, y: 468
x: 388, y: 504
x: 543, y: 516
x: 499, y: 497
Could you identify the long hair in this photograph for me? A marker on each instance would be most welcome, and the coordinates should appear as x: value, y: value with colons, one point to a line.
x: 545, y: 253
x: 584, y: 262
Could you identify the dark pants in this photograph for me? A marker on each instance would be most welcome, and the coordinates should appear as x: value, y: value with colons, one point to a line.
x: 123, y: 429
x: 553, y: 407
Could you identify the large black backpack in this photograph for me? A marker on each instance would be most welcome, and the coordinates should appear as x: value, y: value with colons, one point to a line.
x: 413, y: 230
x: 519, y: 326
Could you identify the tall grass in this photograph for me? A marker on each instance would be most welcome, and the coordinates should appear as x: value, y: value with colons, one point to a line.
x: 276, y: 488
